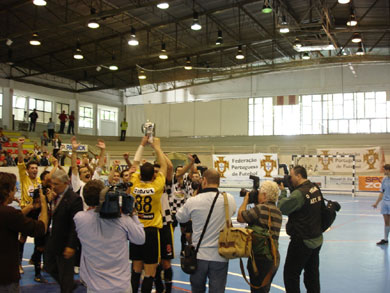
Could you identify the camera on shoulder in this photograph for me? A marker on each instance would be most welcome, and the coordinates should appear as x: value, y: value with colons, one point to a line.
x: 253, y: 194
x: 116, y: 201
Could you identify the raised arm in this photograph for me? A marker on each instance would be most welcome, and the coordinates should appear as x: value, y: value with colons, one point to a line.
x: 140, y: 150
x: 160, y: 156
x: 75, y: 146
x: 169, y: 168
x: 102, y: 146
x: 126, y: 157
x: 20, y: 149
x: 187, y: 166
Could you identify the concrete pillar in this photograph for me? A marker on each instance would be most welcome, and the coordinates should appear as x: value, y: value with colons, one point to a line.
x: 95, y: 119
x: 7, y: 107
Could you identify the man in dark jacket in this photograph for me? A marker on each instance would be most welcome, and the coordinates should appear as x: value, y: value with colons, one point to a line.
x: 303, y: 208
x: 33, y: 119
x: 63, y: 242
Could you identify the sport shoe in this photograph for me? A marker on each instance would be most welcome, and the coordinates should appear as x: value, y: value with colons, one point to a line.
x: 40, y: 279
x: 21, y: 271
x: 382, y: 242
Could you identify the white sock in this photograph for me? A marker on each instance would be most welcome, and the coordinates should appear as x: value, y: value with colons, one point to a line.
x: 387, y: 230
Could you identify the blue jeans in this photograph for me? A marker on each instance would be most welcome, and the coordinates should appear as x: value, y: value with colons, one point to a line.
x: 216, y: 271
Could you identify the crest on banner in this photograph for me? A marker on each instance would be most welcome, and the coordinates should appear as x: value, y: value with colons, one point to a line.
x: 325, y: 161
x: 370, y: 158
x: 268, y: 165
x: 221, y: 166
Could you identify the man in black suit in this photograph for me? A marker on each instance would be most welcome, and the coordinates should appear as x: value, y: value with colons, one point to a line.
x: 62, y: 243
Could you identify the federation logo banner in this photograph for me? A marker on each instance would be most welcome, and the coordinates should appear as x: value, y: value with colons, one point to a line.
x: 367, y: 159
x: 241, y: 166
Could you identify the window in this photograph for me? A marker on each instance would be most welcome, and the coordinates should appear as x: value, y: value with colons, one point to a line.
x: 107, y: 115
x: 43, y: 109
x: 19, y: 106
x: 363, y: 112
x: 86, y: 117
x: 59, y: 108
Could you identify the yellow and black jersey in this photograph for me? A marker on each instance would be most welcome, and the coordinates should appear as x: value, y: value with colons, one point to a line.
x: 148, y: 199
x: 27, y: 185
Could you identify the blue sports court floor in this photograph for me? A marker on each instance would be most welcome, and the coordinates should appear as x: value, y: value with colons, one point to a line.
x: 350, y: 259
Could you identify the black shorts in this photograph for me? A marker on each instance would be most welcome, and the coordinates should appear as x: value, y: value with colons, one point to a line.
x: 188, y: 228
x: 166, y: 242
x: 149, y: 252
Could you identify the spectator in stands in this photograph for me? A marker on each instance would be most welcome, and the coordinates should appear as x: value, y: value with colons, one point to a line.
x: 50, y: 128
x: 115, y: 175
x: 104, y: 257
x: 63, y: 118
x: 12, y: 223
x: 124, y: 126
x: 71, y: 123
x: 8, y: 160
x: 3, y: 138
x: 56, y: 144
x: 44, y: 161
x: 33, y: 119
x: 44, y: 141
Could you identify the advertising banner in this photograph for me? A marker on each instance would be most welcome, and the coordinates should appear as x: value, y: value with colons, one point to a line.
x: 370, y: 183
x: 68, y: 147
x: 367, y: 159
x: 241, y: 166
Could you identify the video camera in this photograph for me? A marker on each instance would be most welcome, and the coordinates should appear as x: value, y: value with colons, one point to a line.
x: 286, y: 179
x: 253, y: 194
x: 35, y: 193
x: 114, y: 200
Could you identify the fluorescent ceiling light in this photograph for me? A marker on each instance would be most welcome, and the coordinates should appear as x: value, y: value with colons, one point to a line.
x: 343, y: 1
x: 314, y: 48
x: 34, y: 40
x: 163, y: 5
x: 39, y: 2
x: 113, y: 67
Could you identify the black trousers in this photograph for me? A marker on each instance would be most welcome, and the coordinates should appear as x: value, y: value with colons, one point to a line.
x: 71, y: 127
x: 123, y: 135
x: 51, y: 133
x: 32, y: 125
x: 62, y: 127
x: 61, y: 269
x: 300, y: 257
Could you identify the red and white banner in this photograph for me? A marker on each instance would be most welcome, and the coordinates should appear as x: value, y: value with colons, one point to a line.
x: 285, y: 100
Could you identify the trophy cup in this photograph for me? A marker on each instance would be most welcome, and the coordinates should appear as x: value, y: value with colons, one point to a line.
x: 148, y: 128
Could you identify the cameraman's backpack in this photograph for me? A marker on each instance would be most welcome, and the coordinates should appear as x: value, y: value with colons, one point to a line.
x: 328, y: 213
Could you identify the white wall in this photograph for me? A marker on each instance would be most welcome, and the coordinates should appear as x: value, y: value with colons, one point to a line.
x: 226, y: 112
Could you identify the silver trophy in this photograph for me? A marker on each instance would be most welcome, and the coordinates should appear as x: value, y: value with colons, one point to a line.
x: 148, y: 128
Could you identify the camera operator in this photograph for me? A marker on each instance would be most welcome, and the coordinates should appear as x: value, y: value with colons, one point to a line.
x: 147, y: 190
x: 258, y: 218
x: 12, y: 222
x: 104, y: 257
x: 303, y: 208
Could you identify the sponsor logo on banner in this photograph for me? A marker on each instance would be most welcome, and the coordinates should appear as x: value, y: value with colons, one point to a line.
x: 241, y: 166
x: 221, y: 165
x: 370, y: 183
x: 366, y: 159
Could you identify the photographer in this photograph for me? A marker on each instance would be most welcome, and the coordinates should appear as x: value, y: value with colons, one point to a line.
x: 303, y: 208
x: 104, y: 257
x: 14, y: 222
x: 258, y: 218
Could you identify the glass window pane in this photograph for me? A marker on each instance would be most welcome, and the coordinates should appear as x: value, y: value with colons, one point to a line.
x: 306, y: 118
x: 380, y: 97
x: 250, y: 113
x: 65, y: 107
x: 338, y: 99
x: 317, y: 127
x: 31, y: 104
x: 378, y: 125
x: 316, y: 109
x: 370, y: 95
x: 40, y: 116
x: 317, y: 98
x: 380, y: 111
x: 333, y: 126
x: 58, y: 108
x: 19, y: 114
x: 348, y: 109
x: 360, y: 105
x: 338, y: 111
x: 306, y: 100
x: 343, y: 126
x: 47, y: 106
x: 352, y: 126
x: 47, y: 117
x: 39, y: 105
x: 112, y: 116
x: 370, y: 108
x: 250, y: 128
x: 348, y: 96
x: 363, y: 126
x: 20, y: 102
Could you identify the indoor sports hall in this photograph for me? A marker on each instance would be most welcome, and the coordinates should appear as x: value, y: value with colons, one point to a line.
x: 252, y: 87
